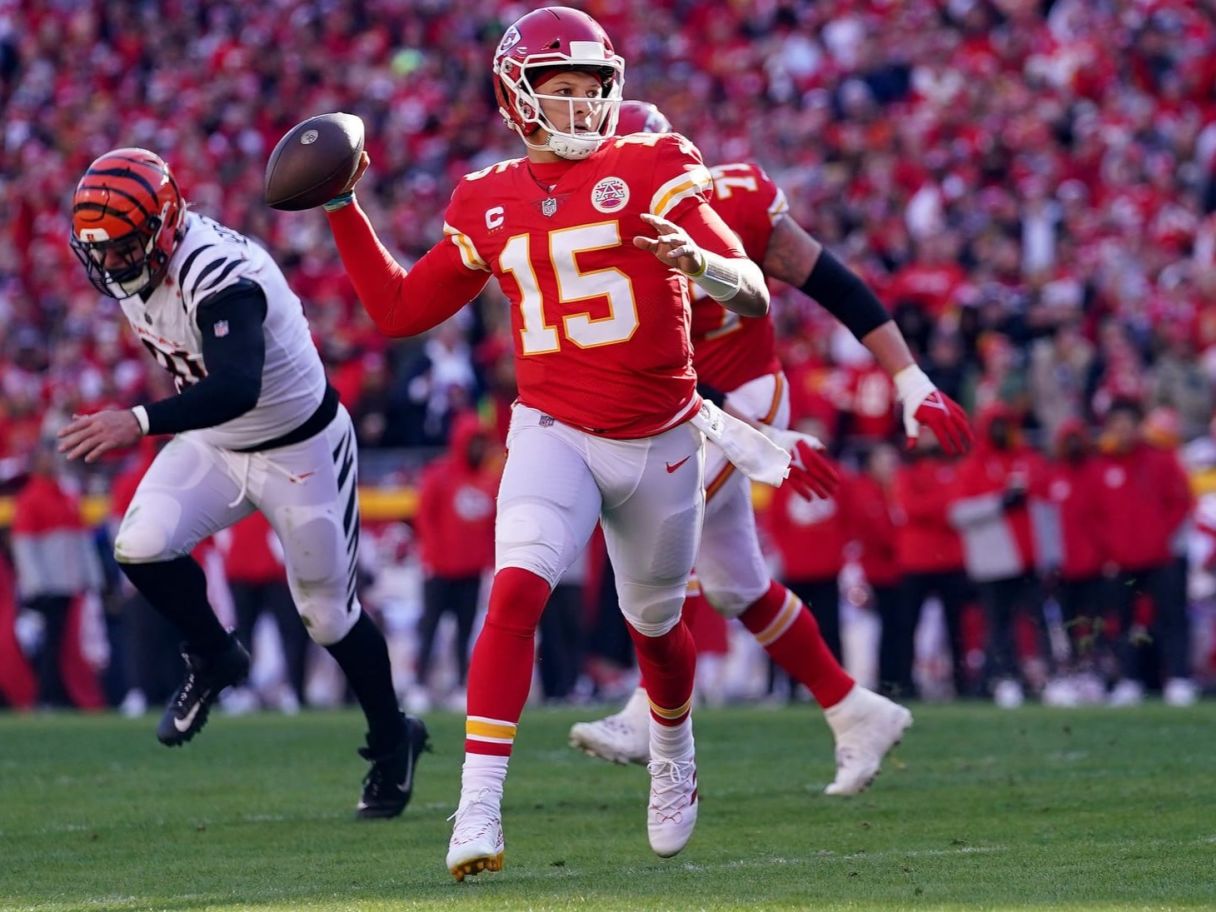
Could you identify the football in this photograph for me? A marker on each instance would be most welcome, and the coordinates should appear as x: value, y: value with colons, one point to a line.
x: 313, y: 161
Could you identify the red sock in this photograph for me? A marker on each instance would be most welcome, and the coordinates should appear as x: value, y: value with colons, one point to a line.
x: 788, y: 632
x: 500, y: 669
x: 669, y: 665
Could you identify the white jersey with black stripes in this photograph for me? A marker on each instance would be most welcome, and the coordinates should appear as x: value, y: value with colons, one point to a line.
x: 209, y: 259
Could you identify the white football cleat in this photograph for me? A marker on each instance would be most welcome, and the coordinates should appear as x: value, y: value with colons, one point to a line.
x: 1061, y: 693
x: 1126, y: 693
x: 866, y: 727
x: 1008, y: 694
x: 476, y: 844
x: 672, y: 814
x: 1180, y: 692
x: 623, y: 737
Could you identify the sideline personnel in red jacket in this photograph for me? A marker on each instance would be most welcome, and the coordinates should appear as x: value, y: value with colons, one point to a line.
x: 998, y: 485
x: 1074, y: 534
x: 872, y: 517
x: 1145, y: 499
x: 55, y: 562
x: 810, y: 536
x: 931, y: 556
x: 257, y: 576
x: 455, y: 526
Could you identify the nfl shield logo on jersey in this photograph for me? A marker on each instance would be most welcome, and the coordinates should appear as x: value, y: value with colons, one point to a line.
x: 610, y: 195
x: 221, y: 328
x: 548, y: 207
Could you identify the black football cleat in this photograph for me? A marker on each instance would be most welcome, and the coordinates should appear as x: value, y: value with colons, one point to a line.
x: 205, y: 678
x: 388, y: 785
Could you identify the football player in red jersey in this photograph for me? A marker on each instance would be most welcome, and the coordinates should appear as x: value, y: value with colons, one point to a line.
x: 595, y: 241
x: 736, y: 355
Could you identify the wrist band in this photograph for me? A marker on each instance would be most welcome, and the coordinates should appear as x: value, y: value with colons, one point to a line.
x: 719, y: 277
x: 912, y: 384
x: 141, y: 415
x: 340, y: 201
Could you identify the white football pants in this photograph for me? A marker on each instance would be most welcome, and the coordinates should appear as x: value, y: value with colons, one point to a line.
x: 648, y: 494
x: 307, y: 491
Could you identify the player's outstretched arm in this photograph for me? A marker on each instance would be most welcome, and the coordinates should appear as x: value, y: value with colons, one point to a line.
x: 796, y: 258
x: 234, y: 352
x: 703, y: 248
x: 401, y: 302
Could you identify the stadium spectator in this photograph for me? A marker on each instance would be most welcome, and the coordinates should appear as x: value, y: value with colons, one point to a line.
x: 1038, y: 143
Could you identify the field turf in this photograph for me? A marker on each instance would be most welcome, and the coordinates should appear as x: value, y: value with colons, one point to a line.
x: 979, y: 809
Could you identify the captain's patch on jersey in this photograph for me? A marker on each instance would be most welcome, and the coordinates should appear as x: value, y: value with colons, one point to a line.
x: 610, y: 195
x: 220, y: 329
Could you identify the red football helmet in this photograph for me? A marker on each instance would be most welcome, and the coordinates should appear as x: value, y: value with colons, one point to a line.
x: 554, y: 39
x: 641, y: 117
x: 127, y: 217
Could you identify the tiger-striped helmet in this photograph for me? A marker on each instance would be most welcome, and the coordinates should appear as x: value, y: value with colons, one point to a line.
x: 127, y: 217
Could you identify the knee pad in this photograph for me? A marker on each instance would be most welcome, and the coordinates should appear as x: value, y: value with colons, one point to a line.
x: 532, y: 535
x: 148, y: 530
x: 649, y: 609
x: 733, y: 599
x: 321, y: 576
x: 327, y: 620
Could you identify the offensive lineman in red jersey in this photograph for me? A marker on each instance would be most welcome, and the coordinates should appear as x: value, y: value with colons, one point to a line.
x: 604, y: 426
x: 737, y: 356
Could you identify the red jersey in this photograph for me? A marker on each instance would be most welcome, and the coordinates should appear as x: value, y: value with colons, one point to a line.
x: 873, y: 527
x: 924, y: 539
x: 869, y: 397
x: 1075, y: 490
x: 600, y: 327
x: 456, y: 509
x: 252, y: 553
x: 729, y: 349
x: 1144, y: 499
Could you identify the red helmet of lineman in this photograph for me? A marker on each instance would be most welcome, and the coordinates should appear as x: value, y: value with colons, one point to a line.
x: 641, y: 117
x: 126, y: 219
x: 539, y: 45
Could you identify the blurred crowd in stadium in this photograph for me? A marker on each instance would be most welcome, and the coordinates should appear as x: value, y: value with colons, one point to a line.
x: 1029, y: 185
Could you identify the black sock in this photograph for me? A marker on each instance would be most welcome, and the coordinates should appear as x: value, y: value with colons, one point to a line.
x: 363, y: 655
x: 178, y: 590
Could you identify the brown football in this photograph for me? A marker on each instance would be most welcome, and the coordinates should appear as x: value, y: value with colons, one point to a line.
x: 313, y: 162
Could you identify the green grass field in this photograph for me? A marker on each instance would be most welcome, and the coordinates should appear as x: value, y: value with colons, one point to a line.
x: 979, y: 809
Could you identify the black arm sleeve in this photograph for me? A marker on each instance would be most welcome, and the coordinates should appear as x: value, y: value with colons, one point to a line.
x: 845, y: 296
x: 234, y: 352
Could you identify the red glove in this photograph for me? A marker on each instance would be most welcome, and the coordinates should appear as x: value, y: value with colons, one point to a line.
x: 925, y: 404
x: 812, y: 474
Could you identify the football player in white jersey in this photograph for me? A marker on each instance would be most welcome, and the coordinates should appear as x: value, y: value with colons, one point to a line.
x: 256, y: 427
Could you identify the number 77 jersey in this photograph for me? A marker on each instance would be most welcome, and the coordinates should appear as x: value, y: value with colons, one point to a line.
x: 600, y: 327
